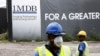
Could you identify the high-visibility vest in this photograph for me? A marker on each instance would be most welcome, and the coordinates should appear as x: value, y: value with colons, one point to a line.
x: 85, y: 52
x: 43, y: 51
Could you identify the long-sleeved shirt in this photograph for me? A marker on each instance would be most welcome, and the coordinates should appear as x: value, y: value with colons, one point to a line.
x: 81, y: 48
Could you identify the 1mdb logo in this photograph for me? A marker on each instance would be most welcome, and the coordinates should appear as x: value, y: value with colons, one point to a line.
x: 24, y: 9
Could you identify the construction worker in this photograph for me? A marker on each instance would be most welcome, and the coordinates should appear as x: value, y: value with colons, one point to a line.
x: 82, y: 49
x: 54, y: 47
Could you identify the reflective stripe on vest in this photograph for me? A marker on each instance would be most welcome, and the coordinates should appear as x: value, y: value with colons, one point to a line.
x: 86, y: 51
x: 65, y: 51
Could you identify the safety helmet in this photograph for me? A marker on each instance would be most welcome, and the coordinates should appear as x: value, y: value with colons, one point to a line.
x: 82, y: 33
x: 54, y: 28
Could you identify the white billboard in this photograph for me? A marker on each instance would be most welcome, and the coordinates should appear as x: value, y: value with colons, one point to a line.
x: 2, y: 3
x: 26, y: 22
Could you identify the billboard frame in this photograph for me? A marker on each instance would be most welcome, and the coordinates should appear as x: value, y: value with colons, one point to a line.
x: 9, y: 19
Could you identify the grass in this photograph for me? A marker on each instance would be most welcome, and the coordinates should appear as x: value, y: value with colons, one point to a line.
x: 67, y: 37
x: 3, y: 36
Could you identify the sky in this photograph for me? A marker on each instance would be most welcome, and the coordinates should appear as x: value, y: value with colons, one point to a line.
x: 2, y: 3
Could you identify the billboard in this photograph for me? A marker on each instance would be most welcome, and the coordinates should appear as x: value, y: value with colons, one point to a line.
x: 73, y: 15
x: 31, y: 17
x: 26, y: 19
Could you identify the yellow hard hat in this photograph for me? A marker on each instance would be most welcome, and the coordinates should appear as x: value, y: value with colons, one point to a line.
x: 82, y: 32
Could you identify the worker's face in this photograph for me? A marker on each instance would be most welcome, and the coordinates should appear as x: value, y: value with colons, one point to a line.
x: 55, y: 40
x: 51, y: 38
x: 58, y: 41
x: 81, y: 38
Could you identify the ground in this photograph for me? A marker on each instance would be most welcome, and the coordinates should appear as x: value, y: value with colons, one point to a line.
x: 27, y: 48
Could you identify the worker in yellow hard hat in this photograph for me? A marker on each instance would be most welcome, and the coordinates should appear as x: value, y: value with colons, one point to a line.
x: 54, y: 48
x: 82, y: 49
